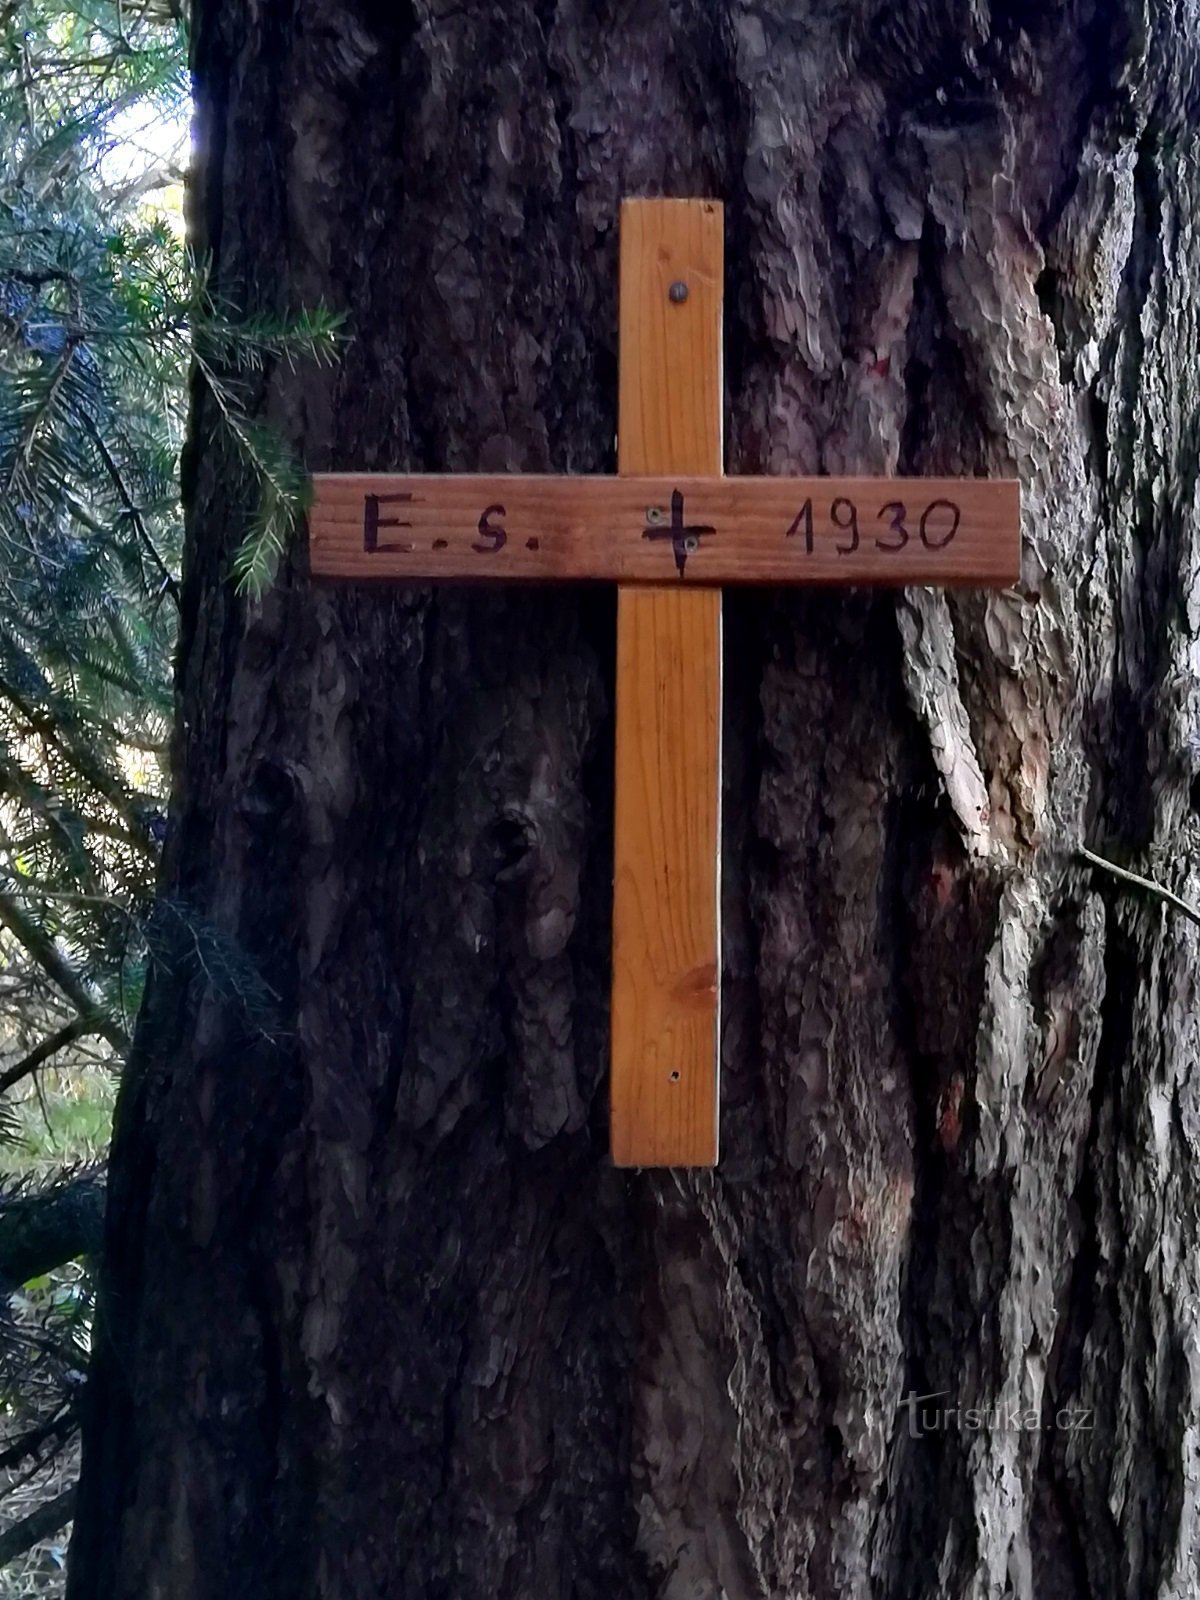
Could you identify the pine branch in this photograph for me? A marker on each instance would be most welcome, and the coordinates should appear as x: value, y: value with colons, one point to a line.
x: 83, y: 1025
x: 56, y: 1431
x: 38, y: 1525
x: 43, y: 1230
x: 113, y: 791
x: 136, y: 520
x: 126, y: 736
x: 44, y: 409
x: 96, y: 825
x: 44, y: 952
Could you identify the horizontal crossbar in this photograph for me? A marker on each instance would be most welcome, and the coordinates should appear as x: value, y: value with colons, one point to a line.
x: 704, y: 531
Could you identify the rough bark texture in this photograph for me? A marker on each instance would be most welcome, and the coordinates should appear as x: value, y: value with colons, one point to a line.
x: 379, y: 1317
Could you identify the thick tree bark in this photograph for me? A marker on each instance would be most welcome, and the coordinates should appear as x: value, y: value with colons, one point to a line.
x: 379, y: 1317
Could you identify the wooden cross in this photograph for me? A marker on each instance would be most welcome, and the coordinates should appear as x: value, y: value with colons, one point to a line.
x: 670, y: 531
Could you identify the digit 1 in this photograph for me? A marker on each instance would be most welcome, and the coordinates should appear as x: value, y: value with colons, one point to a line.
x: 803, y: 516
x: 841, y: 522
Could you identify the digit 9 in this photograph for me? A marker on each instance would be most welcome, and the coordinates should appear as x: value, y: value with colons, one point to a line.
x: 843, y: 514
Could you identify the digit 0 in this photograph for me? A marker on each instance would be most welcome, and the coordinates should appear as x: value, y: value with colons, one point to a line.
x: 934, y: 541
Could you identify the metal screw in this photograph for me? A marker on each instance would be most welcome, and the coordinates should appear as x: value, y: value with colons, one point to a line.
x: 678, y: 292
x: 653, y: 515
x: 691, y: 542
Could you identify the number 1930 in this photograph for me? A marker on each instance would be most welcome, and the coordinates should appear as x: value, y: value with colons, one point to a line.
x: 935, y: 527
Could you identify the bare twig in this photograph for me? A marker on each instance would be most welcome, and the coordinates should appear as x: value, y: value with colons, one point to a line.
x: 1148, y: 884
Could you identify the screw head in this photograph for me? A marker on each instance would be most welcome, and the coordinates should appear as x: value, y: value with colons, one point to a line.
x: 691, y: 542
x: 653, y: 515
x: 678, y: 292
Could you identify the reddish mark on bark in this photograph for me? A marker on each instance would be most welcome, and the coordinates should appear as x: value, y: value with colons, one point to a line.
x: 883, y: 367
x: 949, y: 1119
x: 944, y: 883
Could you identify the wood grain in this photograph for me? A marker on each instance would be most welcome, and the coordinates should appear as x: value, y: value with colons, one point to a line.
x: 910, y: 530
x: 666, y: 920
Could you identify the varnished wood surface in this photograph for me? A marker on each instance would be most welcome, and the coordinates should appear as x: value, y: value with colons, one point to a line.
x: 634, y: 529
x: 666, y: 924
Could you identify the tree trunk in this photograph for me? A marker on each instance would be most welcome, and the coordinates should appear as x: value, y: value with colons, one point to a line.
x: 379, y: 1317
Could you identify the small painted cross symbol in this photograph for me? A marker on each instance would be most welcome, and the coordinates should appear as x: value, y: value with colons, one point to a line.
x: 683, y: 539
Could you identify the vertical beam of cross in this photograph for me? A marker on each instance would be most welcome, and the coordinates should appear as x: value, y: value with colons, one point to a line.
x: 666, y: 910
